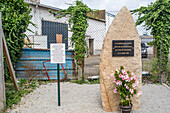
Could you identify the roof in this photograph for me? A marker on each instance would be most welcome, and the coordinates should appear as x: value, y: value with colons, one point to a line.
x: 42, y: 5
x: 57, y: 9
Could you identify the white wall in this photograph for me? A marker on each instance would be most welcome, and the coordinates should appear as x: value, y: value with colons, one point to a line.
x: 39, y: 13
x: 96, y: 28
x: 39, y: 41
x: 96, y: 31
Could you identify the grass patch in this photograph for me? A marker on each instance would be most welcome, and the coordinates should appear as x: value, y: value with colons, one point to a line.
x: 25, y: 87
x: 97, y: 81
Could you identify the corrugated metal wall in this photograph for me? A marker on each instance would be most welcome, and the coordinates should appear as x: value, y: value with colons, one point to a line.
x: 30, y: 65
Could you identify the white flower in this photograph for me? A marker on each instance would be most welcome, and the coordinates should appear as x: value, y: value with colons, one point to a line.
x: 123, y: 71
x: 126, y: 76
x: 115, y: 90
x: 126, y: 80
x: 118, y: 82
x: 139, y: 93
x: 131, y: 90
x: 133, y: 85
x: 117, y: 70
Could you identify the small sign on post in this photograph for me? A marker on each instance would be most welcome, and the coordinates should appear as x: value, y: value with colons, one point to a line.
x: 57, y: 52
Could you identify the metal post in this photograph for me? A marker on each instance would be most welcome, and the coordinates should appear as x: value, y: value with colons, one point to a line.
x: 58, y: 78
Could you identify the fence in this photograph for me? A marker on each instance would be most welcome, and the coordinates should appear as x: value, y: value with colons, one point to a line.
x: 47, y: 26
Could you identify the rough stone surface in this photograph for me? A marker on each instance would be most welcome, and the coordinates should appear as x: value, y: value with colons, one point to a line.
x: 122, y: 28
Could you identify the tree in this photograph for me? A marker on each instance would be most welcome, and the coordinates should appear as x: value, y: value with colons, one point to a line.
x: 156, y: 17
x: 15, y: 20
x: 78, y: 24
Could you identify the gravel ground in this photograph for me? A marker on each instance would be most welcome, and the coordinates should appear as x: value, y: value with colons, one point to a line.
x: 85, y: 98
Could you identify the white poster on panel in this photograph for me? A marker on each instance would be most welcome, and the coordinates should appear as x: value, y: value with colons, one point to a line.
x: 57, y: 52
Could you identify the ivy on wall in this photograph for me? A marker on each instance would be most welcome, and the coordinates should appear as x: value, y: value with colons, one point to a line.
x: 15, y: 20
x: 78, y: 24
x: 156, y: 17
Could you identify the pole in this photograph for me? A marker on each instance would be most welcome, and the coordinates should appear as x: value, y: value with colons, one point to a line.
x: 58, y: 78
x: 2, y: 80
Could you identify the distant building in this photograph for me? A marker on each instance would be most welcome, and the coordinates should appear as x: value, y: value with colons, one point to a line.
x: 47, y: 26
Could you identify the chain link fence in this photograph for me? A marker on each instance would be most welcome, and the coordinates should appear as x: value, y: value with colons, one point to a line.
x: 48, y: 28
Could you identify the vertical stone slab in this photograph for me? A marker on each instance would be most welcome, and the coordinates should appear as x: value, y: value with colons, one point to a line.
x: 122, y: 28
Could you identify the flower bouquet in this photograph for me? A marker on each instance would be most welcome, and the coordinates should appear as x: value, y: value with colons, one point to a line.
x: 125, y: 85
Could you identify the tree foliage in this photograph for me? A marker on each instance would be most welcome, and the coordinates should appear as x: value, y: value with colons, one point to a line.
x: 15, y: 20
x: 78, y: 23
x: 157, y: 18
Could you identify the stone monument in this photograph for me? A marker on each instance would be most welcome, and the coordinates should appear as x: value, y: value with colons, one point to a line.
x: 121, y: 47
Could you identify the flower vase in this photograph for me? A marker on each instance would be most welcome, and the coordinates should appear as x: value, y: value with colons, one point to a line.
x: 126, y: 109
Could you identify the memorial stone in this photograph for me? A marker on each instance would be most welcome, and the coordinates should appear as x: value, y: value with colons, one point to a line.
x: 121, y: 47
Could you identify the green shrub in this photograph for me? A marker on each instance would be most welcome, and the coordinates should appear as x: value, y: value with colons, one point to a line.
x: 153, y: 68
x: 13, y: 96
x: 15, y: 20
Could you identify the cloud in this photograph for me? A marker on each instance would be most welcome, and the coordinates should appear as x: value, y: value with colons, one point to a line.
x: 109, y: 5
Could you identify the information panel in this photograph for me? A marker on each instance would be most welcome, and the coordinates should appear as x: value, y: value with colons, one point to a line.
x: 122, y: 48
x: 57, y: 52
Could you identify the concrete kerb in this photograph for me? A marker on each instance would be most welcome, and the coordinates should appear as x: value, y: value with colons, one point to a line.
x: 166, y: 86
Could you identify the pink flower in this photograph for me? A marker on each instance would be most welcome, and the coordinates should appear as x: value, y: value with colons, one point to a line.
x: 115, y: 80
x: 112, y: 75
x: 133, y: 85
x: 133, y: 75
x: 139, y: 93
x: 123, y: 71
x: 135, y: 79
x: 126, y: 76
x: 131, y: 90
x: 126, y: 80
x: 120, y: 76
x: 130, y: 78
x: 119, y: 82
x: 115, y: 90
x: 123, y: 77
x: 127, y: 87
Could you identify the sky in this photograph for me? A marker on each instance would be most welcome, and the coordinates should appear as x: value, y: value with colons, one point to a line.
x: 109, y: 5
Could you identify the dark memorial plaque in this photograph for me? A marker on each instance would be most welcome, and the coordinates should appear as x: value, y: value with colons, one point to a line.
x: 122, y: 48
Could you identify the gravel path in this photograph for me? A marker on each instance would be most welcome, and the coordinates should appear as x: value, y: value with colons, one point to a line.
x: 85, y: 98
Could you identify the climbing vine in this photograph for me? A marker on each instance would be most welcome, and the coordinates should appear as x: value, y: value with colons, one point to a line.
x: 156, y: 17
x: 78, y: 24
x: 15, y: 20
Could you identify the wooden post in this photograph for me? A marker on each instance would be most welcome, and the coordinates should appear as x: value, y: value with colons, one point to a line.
x: 2, y: 82
x: 8, y: 59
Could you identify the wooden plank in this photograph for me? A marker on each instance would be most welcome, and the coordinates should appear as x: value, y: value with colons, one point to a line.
x: 2, y: 82
x: 8, y: 59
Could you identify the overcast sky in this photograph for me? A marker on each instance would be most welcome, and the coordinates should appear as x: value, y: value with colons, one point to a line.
x: 109, y: 5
